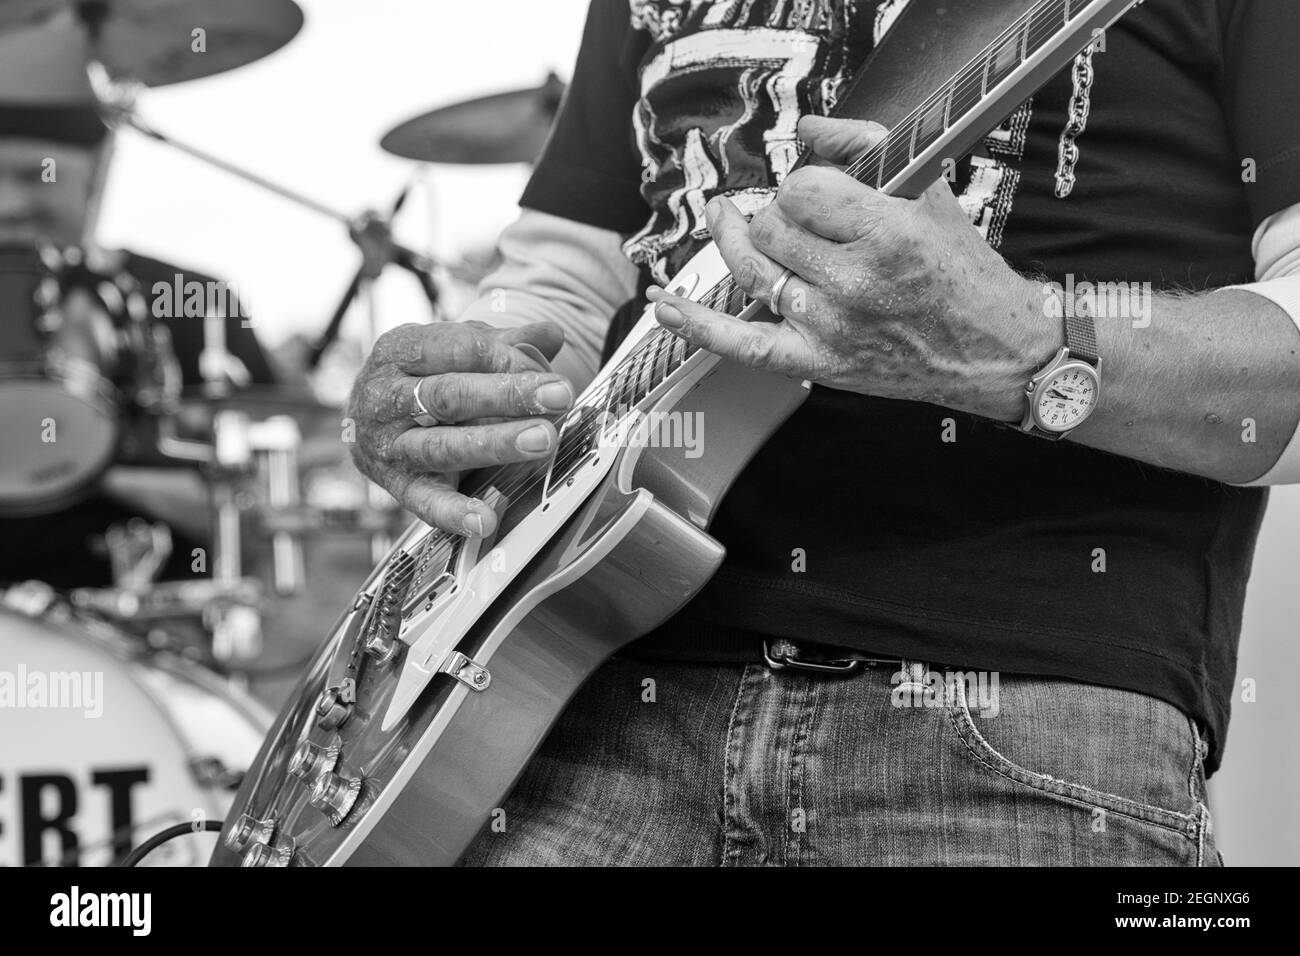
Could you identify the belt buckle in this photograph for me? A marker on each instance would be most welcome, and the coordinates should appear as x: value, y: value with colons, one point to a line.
x: 840, y: 668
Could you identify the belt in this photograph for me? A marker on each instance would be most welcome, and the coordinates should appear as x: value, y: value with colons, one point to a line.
x: 781, y: 653
x: 689, y: 642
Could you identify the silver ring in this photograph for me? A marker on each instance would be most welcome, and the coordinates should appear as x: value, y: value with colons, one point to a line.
x: 423, y: 417
x: 774, y: 297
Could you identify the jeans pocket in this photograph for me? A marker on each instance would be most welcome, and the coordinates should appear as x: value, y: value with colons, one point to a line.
x: 1077, y: 732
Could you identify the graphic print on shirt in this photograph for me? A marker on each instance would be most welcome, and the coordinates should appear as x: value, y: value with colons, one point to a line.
x: 722, y: 91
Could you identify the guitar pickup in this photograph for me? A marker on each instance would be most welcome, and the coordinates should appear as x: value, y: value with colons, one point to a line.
x: 579, y: 436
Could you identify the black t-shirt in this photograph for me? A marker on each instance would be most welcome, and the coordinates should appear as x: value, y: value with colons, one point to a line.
x: 59, y: 548
x: 981, y: 552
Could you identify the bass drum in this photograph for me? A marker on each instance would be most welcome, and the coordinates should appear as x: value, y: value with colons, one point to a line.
x: 103, y: 743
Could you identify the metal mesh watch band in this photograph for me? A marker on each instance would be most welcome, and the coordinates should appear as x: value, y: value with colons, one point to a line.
x: 1080, y: 332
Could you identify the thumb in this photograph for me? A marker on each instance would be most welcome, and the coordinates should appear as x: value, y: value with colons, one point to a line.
x: 840, y: 141
x: 539, y: 341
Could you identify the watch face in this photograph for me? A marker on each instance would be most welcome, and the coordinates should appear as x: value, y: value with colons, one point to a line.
x: 1065, y: 399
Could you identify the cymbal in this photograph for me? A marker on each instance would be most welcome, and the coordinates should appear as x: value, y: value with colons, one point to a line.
x: 502, y: 128
x: 152, y: 41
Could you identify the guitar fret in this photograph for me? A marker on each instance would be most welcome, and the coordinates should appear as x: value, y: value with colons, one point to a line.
x: 640, y: 384
x: 661, y: 356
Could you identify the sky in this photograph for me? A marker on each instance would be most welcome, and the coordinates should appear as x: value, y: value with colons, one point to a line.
x: 311, y: 116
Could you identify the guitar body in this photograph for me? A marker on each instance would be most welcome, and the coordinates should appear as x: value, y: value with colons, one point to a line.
x: 627, y: 563
x: 630, y: 554
x: 458, y: 654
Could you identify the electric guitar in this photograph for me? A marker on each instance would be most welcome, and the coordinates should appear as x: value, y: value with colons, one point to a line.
x: 455, y: 658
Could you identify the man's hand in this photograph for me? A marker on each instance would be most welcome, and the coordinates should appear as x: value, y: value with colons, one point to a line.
x: 489, y: 390
x: 890, y: 297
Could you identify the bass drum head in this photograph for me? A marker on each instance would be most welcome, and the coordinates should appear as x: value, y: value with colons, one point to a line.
x: 105, y: 745
x: 56, y: 444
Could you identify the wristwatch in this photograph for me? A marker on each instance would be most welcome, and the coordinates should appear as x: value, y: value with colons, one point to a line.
x: 1061, y: 396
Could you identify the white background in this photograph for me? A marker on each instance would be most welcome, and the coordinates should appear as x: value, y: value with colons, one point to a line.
x: 311, y: 116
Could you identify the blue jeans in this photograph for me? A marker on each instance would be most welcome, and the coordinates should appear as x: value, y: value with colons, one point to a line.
x: 668, y: 763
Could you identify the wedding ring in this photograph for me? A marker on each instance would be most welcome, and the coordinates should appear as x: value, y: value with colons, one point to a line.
x: 774, y: 297
x: 422, y: 417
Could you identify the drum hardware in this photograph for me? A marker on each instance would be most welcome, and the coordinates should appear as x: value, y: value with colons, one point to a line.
x: 82, y: 365
x: 171, y: 739
x: 373, y: 235
x: 137, y: 552
x: 117, y: 103
x: 502, y: 128
x: 152, y: 41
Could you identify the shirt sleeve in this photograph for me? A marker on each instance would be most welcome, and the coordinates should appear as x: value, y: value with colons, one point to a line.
x: 590, y: 171
x: 1261, y: 75
x: 1277, y: 245
x: 558, y: 270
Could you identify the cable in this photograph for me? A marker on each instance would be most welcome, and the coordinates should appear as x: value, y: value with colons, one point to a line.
x: 158, y: 839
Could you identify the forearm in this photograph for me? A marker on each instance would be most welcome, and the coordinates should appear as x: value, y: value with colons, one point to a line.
x: 560, y: 271
x: 1207, y: 384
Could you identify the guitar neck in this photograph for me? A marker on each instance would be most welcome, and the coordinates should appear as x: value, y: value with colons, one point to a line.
x: 951, y: 121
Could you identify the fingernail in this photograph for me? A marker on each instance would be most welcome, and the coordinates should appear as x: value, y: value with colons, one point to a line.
x: 555, y: 396
x: 473, y: 523
x: 669, y: 315
x: 536, y: 438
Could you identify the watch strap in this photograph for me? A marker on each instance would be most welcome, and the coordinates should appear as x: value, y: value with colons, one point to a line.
x: 1080, y: 333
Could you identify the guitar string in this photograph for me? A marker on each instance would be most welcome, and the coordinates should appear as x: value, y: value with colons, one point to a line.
x: 719, y: 295
x: 724, y: 290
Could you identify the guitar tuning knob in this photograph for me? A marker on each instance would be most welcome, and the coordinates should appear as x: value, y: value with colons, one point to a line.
x: 335, y: 796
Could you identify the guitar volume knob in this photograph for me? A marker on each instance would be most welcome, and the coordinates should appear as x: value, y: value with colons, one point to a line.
x: 247, y: 831
x: 310, y: 760
x: 335, y: 796
x: 275, y: 854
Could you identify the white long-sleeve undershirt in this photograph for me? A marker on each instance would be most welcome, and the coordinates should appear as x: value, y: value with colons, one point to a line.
x: 576, y: 276
x: 563, y: 271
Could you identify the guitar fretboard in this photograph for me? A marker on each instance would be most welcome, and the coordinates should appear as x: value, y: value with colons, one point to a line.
x: 965, y: 92
x: 970, y: 97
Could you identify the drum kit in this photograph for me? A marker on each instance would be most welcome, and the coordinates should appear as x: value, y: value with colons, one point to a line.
x: 127, y: 708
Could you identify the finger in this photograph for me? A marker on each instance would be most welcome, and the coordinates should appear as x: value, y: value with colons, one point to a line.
x: 447, y: 347
x: 840, y: 141
x: 432, y: 498
x: 462, y: 396
x: 793, y: 245
x: 752, y: 270
x: 760, y: 345
x: 464, y: 447
x: 527, y: 357
x: 534, y: 355
x: 830, y: 204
